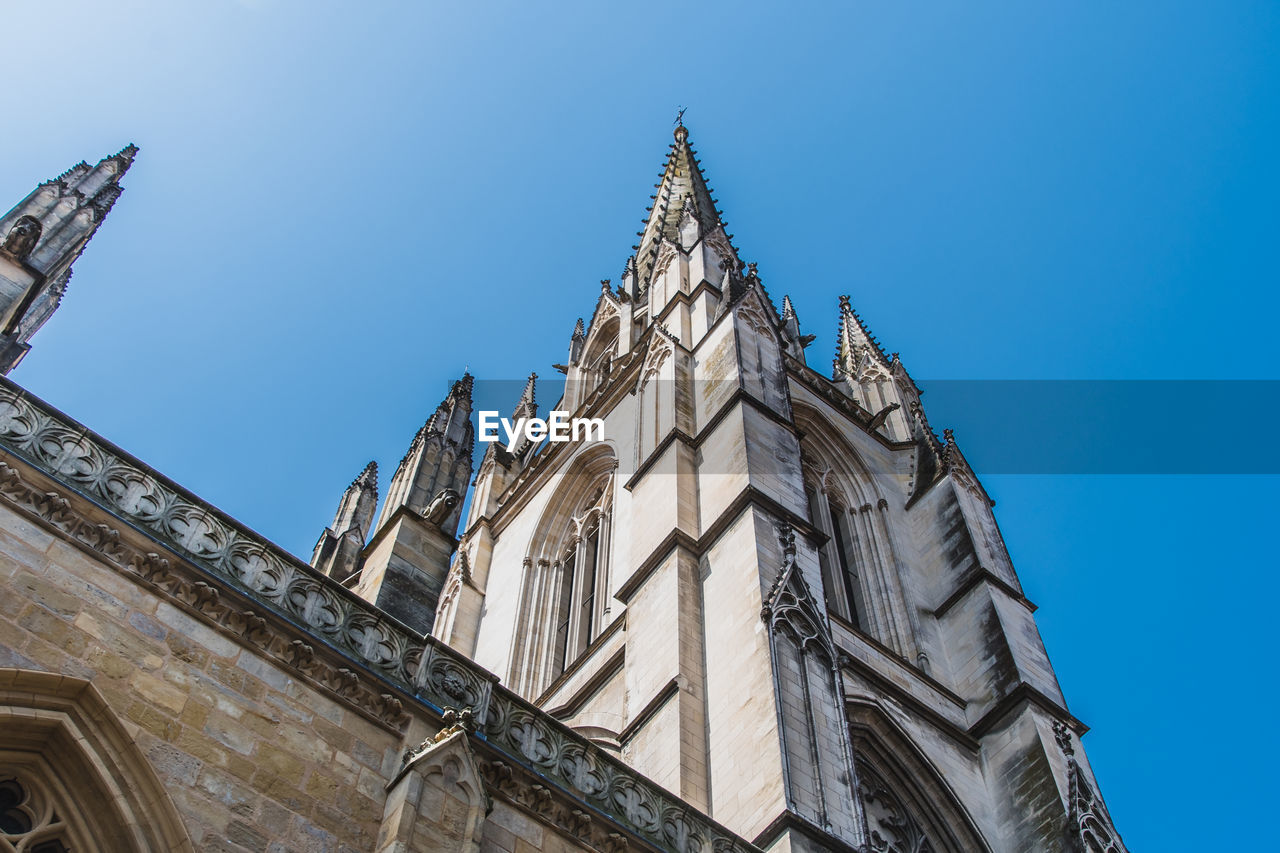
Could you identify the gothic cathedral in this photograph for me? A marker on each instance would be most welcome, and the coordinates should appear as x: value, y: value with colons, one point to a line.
x: 768, y: 610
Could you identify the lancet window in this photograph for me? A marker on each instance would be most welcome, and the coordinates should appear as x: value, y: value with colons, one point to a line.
x: 597, y: 361
x: 839, y: 557
x: 564, y: 601
x: 860, y: 572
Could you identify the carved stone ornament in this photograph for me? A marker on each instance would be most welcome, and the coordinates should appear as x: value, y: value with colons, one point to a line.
x: 1089, y: 826
x: 221, y: 553
x: 454, y: 721
x: 552, y: 752
x: 441, y: 504
x: 791, y: 607
x: 23, y: 237
x: 891, y: 827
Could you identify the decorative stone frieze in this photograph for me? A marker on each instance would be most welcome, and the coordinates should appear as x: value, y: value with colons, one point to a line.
x: 605, y: 783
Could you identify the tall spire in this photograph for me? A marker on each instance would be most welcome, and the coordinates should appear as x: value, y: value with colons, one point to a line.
x: 683, y: 201
x: 42, y: 236
x: 337, y: 553
x: 438, y: 459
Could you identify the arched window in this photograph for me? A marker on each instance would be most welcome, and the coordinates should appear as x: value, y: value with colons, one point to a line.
x: 596, y: 363
x: 860, y: 572
x: 839, y: 558
x: 72, y: 778
x: 565, y: 595
x: 28, y: 820
x: 907, y: 803
x: 577, y: 620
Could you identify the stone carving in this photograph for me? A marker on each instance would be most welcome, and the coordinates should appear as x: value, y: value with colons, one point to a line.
x: 601, y: 780
x: 892, y: 827
x: 199, y: 594
x: 441, y: 504
x: 23, y: 237
x: 666, y: 255
x: 454, y: 721
x: 301, y: 655
x: 879, y: 418
x: 790, y: 606
x: 1089, y: 827
x: 717, y: 240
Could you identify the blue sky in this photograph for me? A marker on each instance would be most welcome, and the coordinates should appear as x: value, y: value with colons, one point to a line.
x: 337, y: 207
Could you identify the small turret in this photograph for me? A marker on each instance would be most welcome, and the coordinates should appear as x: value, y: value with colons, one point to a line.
x: 406, y: 561
x: 875, y: 380
x: 438, y: 460
x: 337, y: 554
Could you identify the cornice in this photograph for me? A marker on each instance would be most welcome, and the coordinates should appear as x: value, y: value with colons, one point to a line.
x: 174, y: 580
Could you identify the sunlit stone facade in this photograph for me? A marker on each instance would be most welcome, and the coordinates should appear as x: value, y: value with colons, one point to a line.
x: 770, y: 610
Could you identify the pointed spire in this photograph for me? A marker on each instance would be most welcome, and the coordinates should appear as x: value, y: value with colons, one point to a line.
x: 683, y: 201
x: 854, y: 338
x: 576, y: 341
x: 368, y: 477
x: 629, y: 276
x: 527, y: 405
x: 439, y: 457
x: 355, y: 510
x: 788, y: 310
x: 45, y: 233
x: 444, y: 418
x: 338, y: 550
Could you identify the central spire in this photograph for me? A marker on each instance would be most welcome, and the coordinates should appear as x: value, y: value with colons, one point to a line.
x: 683, y: 199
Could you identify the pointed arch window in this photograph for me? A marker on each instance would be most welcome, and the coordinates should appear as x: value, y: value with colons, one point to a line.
x: 596, y: 363
x: 841, y: 573
x: 564, y: 601
x: 28, y: 820
x: 861, y: 572
x: 576, y: 616
x: 72, y: 778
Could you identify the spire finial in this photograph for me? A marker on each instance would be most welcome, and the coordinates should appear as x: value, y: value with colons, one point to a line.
x: 681, y: 132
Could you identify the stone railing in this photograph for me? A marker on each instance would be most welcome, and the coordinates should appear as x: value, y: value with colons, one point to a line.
x: 419, y: 666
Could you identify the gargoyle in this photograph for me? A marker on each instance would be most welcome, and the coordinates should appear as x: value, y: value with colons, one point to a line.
x: 441, y: 505
x: 878, y: 419
x: 23, y: 237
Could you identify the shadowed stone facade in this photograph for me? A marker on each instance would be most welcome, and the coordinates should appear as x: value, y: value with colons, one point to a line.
x: 771, y: 610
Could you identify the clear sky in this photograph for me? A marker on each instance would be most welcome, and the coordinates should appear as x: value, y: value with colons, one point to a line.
x: 337, y: 207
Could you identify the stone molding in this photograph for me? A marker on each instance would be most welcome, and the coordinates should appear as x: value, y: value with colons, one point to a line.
x: 235, y: 579
x: 192, y: 592
x: 571, y: 763
x: 60, y: 727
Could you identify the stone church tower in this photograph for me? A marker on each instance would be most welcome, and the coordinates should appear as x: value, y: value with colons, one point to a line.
x: 771, y: 610
x: 775, y: 592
